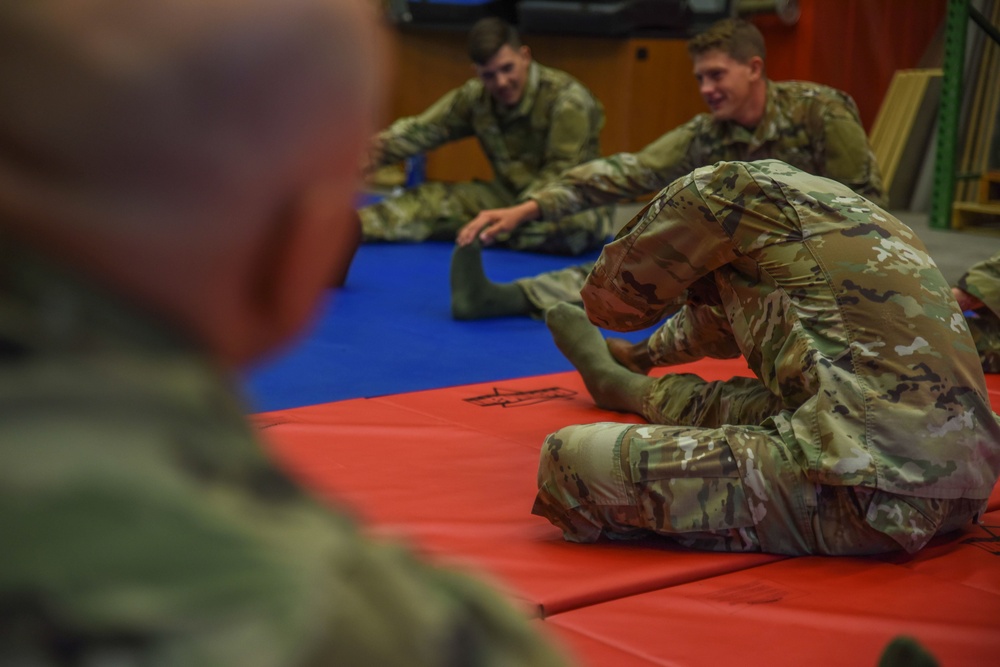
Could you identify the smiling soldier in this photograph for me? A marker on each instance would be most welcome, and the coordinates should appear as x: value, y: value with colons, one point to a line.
x: 532, y: 122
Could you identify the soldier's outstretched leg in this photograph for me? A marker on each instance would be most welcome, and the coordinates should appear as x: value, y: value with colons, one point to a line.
x: 431, y: 211
x: 474, y: 296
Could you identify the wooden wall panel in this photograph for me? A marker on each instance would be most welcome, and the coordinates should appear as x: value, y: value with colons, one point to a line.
x: 664, y: 90
x: 429, y: 63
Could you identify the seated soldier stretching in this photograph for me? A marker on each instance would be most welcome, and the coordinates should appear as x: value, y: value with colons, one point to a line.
x: 867, y: 427
x: 532, y: 122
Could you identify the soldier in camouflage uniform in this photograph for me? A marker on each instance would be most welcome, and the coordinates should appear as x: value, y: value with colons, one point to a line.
x: 810, y: 126
x: 867, y: 428
x: 979, y: 291
x: 532, y: 122
x: 153, y: 234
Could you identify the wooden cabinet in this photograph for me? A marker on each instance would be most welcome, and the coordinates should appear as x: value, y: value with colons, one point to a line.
x: 645, y: 85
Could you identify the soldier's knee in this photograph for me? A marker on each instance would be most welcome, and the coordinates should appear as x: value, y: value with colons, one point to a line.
x: 583, y: 463
x: 557, y: 454
x: 580, y: 480
x: 576, y: 522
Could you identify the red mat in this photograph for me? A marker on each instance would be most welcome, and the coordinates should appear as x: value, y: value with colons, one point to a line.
x: 971, y: 559
x: 805, y: 611
x: 452, y: 471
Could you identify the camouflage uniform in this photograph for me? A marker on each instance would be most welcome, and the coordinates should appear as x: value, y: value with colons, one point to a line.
x: 809, y: 126
x: 868, y: 426
x: 143, y: 524
x: 983, y: 282
x: 555, y: 126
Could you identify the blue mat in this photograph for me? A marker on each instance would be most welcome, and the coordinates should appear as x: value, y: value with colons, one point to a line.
x: 390, y: 331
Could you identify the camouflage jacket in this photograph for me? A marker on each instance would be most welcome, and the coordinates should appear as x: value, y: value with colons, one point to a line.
x: 143, y: 524
x: 556, y: 126
x: 809, y: 126
x: 983, y: 282
x: 837, y: 308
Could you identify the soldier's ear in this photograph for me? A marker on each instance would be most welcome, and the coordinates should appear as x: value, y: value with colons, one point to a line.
x: 756, y: 64
x: 525, y: 51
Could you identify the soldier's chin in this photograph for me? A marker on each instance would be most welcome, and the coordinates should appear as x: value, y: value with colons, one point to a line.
x: 509, y: 99
x: 721, y: 113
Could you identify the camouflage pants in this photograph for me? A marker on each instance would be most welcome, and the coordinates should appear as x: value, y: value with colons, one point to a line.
x: 985, y: 329
x: 435, y: 211
x: 552, y: 287
x: 694, y: 332
x: 716, y: 486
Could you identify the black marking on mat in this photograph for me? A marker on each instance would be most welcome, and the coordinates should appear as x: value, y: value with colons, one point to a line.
x: 513, y: 398
x: 989, y: 544
x: 271, y: 424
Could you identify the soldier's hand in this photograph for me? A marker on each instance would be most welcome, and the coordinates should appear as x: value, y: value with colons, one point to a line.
x: 633, y: 356
x: 490, y: 223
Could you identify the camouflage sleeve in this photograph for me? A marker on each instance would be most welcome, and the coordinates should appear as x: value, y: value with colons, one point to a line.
x: 448, y: 119
x: 618, y: 177
x: 574, y: 121
x: 983, y: 282
x: 655, y: 258
x: 847, y: 156
x: 123, y: 551
x: 695, y: 332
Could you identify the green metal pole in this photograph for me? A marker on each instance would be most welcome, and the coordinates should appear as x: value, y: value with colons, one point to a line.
x: 956, y: 25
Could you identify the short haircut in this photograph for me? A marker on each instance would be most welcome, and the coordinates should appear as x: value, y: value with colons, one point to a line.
x: 738, y: 38
x: 488, y: 36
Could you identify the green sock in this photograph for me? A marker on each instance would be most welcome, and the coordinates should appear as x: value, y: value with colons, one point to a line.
x: 611, y: 385
x: 474, y: 296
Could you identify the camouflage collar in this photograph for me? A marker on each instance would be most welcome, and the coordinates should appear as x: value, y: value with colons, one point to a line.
x: 768, y: 129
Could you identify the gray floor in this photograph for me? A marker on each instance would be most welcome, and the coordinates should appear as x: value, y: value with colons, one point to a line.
x: 953, y: 250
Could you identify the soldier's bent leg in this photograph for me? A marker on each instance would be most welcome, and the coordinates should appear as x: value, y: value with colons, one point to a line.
x: 726, y: 489
x: 731, y: 488
x: 621, y: 480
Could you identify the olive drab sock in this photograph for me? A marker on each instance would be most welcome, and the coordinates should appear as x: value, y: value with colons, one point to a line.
x: 612, y: 386
x: 474, y: 296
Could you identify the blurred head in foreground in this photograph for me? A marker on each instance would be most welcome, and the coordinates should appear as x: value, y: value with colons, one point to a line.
x: 199, y: 158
